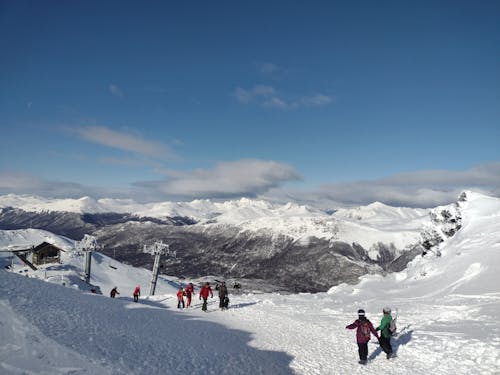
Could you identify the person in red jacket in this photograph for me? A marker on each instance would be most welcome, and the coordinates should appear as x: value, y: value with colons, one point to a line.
x: 204, y: 292
x: 137, y: 293
x: 180, y: 298
x: 189, y: 292
x: 364, y: 327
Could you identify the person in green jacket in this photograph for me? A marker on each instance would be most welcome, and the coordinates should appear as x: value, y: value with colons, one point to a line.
x: 385, y: 336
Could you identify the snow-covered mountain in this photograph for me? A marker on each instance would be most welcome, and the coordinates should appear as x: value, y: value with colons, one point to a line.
x: 447, y: 305
x: 281, y: 246
x: 275, y: 247
x: 364, y: 225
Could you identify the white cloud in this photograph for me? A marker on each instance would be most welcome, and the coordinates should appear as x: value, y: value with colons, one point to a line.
x: 129, y: 162
x: 415, y: 189
x: 253, y: 177
x: 315, y: 100
x: 275, y: 102
x: 115, y: 90
x: 247, y: 177
x: 125, y: 141
x: 23, y: 183
x: 257, y: 92
x: 242, y: 95
x: 12, y: 181
x: 267, y: 68
x: 274, y: 71
x: 268, y: 96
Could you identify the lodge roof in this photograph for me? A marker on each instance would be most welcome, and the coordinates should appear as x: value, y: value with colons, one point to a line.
x: 45, y: 245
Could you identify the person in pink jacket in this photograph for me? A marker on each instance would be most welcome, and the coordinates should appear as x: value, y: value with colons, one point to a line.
x: 363, y: 328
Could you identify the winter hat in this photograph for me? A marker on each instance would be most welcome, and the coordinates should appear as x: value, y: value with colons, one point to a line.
x: 361, y: 312
x: 386, y: 310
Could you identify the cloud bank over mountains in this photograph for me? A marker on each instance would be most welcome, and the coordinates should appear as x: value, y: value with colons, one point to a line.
x: 267, y: 179
x: 247, y: 177
x: 233, y: 179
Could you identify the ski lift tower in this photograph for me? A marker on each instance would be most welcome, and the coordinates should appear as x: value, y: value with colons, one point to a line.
x: 157, y: 249
x: 87, y: 245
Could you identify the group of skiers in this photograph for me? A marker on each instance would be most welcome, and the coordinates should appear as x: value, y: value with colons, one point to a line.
x: 363, y: 327
x: 205, y: 291
x: 188, y: 291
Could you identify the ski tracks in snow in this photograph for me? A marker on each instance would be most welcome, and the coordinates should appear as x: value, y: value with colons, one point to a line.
x: 315, y: 335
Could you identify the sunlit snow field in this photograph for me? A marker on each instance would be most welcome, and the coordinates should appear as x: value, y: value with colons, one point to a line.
x: 448, y: 308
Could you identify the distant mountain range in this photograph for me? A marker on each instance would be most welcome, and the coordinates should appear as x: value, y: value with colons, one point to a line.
x: 273, y: 247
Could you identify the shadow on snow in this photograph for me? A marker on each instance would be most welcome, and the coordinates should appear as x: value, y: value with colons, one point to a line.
x: 132, y: 340
x: 403, y: 338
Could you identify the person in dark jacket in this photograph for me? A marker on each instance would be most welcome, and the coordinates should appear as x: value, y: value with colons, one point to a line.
x: 113, y: 292
x: 204, y: 292
x: 363, y: 328
x: 385, y: 333
x: 223, y: 296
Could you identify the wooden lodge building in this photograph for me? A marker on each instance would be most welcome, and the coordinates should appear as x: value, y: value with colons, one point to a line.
x: 46, y: 253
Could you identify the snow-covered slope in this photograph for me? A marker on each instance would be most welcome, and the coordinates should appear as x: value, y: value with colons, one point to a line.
x: 468, y: 263
x: 448, y: 308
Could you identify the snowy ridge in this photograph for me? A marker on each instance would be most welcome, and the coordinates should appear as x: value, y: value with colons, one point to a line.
x: 363, y: 225
x: 31, y: 203
x: 447, y: 317
x: 200, y: 210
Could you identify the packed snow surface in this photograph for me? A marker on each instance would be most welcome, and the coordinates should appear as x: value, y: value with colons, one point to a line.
x: 448, y: 308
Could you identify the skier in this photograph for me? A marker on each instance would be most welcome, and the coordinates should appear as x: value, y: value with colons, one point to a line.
x: 180, y: 298
x: 113, y: 292
x: 385, y: 333
x: 189, y: 292
x: 223, y: 296
x: 364, y: 327
x: 204, y: 292
x: 137, y: 293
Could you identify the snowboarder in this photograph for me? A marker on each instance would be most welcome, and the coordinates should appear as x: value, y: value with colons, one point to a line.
x: 180, y: 298
x: 364, y: 327
x: 189, y: 292
x: 385, y: 333
x: 223, y: 296
x: 113, y: 292
x: 137, y: 293
x: 204, y: 292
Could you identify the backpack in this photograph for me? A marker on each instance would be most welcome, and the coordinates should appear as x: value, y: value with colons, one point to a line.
x: 392, y: 327
x: 364, y: 328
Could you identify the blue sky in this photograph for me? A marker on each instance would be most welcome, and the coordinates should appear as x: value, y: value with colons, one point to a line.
x: 327, y: 101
